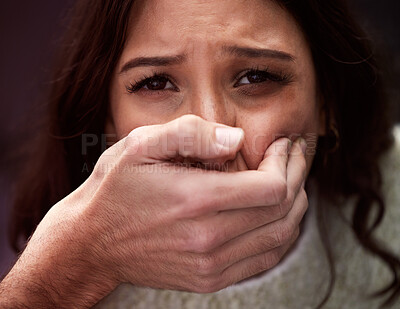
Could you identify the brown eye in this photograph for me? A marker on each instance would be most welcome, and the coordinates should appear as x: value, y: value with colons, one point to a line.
x: 261, y: 76
x: 158, y: 83
x: 254, y: 77
x: 154, y: 83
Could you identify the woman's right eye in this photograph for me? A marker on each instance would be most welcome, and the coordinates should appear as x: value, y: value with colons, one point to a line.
x: 158, y: 83
x: 154, y: 83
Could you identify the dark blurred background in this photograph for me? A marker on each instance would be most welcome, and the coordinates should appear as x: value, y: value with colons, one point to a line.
x: 29, y: 32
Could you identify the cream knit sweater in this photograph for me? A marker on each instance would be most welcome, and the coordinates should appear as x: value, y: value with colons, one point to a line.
x: 301, y: 279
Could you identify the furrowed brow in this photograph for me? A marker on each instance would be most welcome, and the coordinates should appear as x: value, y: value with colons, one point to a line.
x: 152, y: 61
x: 248, y: 52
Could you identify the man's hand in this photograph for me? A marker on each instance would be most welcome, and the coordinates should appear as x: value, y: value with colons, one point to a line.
x: 144, y: 218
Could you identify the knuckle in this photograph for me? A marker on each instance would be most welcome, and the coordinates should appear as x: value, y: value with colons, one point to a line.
x: 283, y: 234
x: 296, y: 234
x: 287, y: 202
x: 281, y: 210
x: 189, y: 119
x: 201, y: 239
x: 287, y: 231
x: 206, y: 264
x: 188, y: 128
x: 189, y: 203
x: 258, y: 216
x: 204, y: 241
x: 133, y: 143
x: 271, y: 259
x: 263, y: 243
x: 181, y: 206
x: 110, y: 155
x: 278, y: 190
x: 188, y: 124
x: 285, y: 207
x: 265, y: 261
x: 195, y: 207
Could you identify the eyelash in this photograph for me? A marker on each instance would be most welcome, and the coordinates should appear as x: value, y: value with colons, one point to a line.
x: 279, y: 77
x: 139, y: 84
x: 275, y: 77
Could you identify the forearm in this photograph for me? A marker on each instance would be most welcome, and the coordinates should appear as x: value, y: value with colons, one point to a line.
x: 55, y: 271
x: 26, y: 288
x: 32, y: 285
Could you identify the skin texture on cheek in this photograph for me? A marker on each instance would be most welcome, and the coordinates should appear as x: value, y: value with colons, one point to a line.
x: 265, y: 130
x: 293, y: 113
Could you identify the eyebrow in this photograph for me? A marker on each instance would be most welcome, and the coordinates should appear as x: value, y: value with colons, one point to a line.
x: 258, y: 53
x: 238, y: 51
x: 152, y: 62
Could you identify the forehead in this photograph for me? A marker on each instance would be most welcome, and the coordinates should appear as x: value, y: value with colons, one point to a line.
x: 176, y: 26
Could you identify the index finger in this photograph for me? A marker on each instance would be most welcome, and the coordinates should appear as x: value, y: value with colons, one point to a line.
x: 211, y: 191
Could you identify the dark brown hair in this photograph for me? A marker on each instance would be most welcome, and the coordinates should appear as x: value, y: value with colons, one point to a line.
x: 352, y: 88
x: 349, y: 81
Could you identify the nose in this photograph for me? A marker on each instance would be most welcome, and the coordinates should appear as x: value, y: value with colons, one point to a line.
x: 212, y: 105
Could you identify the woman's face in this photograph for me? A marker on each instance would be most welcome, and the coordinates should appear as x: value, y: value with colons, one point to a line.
x: 241, y: 63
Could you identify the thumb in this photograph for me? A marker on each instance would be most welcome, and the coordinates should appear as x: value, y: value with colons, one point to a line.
x: 188, y: 136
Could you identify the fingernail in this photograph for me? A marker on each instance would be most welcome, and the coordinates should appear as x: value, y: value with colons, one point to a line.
x: 303, y: 145
x: 228, y: 137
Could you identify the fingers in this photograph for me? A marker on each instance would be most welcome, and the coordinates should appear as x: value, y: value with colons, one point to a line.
x: 227, y: 225
x: 270, y: 236
x: 262, y: 248
x: 276, y: 157
x: 253, y: 265
x: 260, y: 251
x: 296, y: 169
x: 222, y: 240
x: 239, y: 259
x: 184, y: 137
x: 276, y: 161
x: 223, y: 226
x: 208, y: 277
x: 202, y: 192
x: 205, y: 191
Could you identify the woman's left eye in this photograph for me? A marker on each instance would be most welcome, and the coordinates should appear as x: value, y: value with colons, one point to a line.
x: 256, y: 77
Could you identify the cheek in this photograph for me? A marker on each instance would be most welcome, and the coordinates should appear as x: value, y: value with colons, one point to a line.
x: 126, y: 113
x: 283, y: 118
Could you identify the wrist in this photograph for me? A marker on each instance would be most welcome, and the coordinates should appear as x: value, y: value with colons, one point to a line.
x: 58, y: 267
